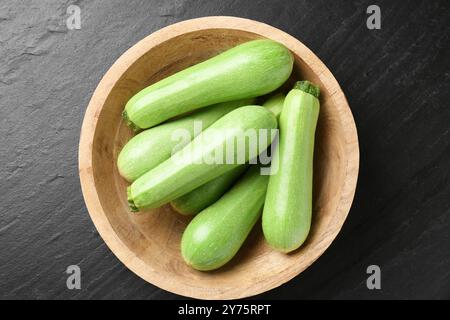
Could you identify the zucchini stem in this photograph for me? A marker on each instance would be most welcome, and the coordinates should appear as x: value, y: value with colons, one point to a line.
x: 131, y: 203
x: 129, y: 123
x: 308, y: 87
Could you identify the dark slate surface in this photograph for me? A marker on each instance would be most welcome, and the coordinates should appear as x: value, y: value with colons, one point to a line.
x: 397, y: 81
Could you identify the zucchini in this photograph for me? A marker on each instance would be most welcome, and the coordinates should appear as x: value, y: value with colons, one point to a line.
x: 190, y: 167
x: 287, y: 211
x: 193, y: 202
x: 248, y: 70
x: 215, y: 235
x: 151, y: 147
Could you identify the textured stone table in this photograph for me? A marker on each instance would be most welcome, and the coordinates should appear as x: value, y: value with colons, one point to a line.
x: 397, y: 80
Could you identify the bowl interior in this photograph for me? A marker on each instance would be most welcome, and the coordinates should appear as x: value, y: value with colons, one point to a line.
x: 154, y: 238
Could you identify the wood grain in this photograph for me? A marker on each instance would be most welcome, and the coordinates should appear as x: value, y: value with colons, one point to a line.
x: 148, y: 243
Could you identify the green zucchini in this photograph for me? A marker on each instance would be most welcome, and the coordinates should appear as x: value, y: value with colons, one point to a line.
x: 248, y: 70
x: 287, y: 211
x: 193, y: 202
x: 190, y: 167
x: 151, y: 147
x: 215, y: 235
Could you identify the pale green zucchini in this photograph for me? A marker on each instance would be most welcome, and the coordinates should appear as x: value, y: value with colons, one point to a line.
x: 248, y: 70
x: 215, y: 235
x: 287, y: 211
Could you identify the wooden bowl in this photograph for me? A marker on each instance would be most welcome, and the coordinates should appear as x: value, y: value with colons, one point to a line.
x: 149, y: 244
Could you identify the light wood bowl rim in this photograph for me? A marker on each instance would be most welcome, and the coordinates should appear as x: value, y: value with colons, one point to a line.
x: 107, y: 83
